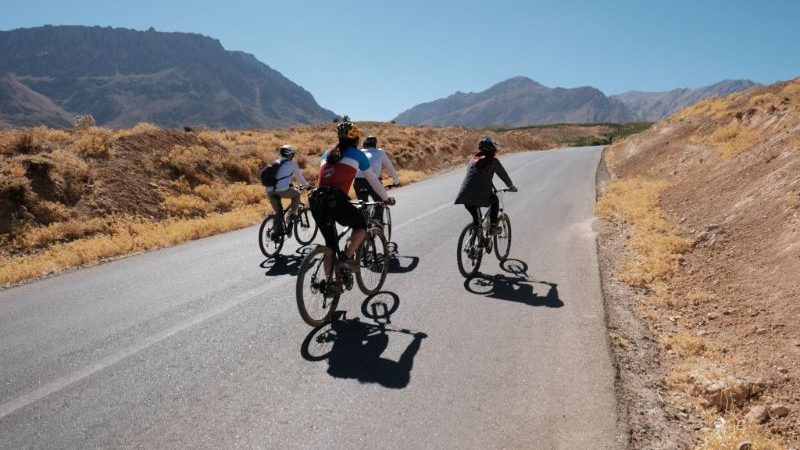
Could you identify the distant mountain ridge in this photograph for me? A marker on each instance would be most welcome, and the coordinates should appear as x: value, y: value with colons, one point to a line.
x: 520, y: 101
x: 123, y: 77
x: 653, y: 106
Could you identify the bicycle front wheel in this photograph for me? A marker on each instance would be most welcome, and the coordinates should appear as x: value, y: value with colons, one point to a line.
x: 502, y: 239
x: 269, y: 240
x: 469, y: 253
x: 373, y: 261
x: 305, y: 227
x: 317, y: 291
x: 387, y: 223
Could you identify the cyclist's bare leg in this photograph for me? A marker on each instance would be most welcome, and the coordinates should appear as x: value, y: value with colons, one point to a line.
x: 356, y: 238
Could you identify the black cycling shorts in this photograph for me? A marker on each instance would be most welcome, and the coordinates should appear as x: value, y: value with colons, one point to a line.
x: 328, y: 205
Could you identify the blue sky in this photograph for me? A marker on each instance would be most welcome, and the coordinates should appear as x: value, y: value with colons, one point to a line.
x: 374, y: 59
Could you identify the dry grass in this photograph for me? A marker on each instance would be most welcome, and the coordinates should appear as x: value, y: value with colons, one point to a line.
x: 128, y: 236
x: 731, y: 433
x: 685, y: 346
x: 79, y: 190
x: 712, y: 385
x: 93, y: 142
x: 733, y: 139
x: 634, y: 202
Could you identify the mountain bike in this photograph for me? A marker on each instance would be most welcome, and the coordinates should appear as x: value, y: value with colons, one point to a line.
x: 385, y: 221
x: 478, y: 238
x: 276, y: 228
x: 321, y: 281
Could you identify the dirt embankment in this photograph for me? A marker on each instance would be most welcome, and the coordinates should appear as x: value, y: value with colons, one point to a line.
x: 719, y: 309
x: 74, y: 197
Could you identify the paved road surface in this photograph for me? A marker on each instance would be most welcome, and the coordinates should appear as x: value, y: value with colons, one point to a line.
x: 200, y: 345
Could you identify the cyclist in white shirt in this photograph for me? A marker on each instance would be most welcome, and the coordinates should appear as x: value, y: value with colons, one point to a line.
x: 377, y: 160
x: 283, y: 187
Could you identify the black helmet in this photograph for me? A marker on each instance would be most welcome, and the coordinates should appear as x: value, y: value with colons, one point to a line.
x: 487, y: 145
x: 287, y: 151
x: 347, y: 130
x: 371, y: 141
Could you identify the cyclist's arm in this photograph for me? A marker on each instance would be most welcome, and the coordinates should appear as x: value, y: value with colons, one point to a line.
x: 390, y: 168
x: 501, y: 172
x: 298, y: 174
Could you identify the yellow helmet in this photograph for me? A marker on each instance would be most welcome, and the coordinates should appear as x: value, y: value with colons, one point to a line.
x: 347, y: 129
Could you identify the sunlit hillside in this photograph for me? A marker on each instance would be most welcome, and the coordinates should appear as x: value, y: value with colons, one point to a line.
x: 72, y: 197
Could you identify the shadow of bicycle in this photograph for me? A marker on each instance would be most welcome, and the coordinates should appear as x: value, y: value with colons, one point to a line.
x: 281, y: 264
x: 355, y: 349
x: 516, y: 287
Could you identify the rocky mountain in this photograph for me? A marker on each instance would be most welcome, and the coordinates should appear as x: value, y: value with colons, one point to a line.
x: 516, y: 102
x: 653, y: 106
x: 520, y: 101
x: 123, y: 77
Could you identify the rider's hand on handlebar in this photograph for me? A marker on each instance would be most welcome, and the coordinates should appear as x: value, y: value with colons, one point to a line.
x: 512, y: 189
x: 389, y: 201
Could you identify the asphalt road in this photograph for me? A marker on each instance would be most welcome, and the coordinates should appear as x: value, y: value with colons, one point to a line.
x: 201, y: 346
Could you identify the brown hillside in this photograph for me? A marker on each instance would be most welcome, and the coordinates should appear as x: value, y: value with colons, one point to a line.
x: 732, y: 168
x: 74, y: 197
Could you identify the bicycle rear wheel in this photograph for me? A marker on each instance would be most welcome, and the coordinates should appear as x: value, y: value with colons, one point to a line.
x: 269, y: 240
x: 373, y: 259
x: 305, y: 228
x: 502, y: 238
x: 469, y: 252
x: 317, y: 294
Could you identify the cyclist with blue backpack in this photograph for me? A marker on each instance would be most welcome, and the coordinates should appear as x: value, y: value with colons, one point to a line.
x: 277, y: 178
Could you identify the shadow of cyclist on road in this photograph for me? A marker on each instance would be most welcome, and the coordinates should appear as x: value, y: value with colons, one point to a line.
x: 286, y: 264
x: 518, y: 287
x: 402, y: 264
x: 354, y: 349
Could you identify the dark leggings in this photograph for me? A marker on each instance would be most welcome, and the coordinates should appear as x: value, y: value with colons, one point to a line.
x: 494, y: 207
x: 330, y: 206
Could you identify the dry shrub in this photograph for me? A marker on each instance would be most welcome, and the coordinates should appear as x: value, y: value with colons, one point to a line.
x: 713, y: 386
x: 188, y: 162
x: 635, y: 202
x: 41, y: 237
x: 59, y: 176
x: 730, y: 434
x: 186, y: 206
x: 762, y: 99
x: 83, y: 121
x: 733, y: 139
x: 232, y: 196
x: 410, y: 176
x: 93, y: 142
x: 715, y: 107
x: 21, y: 142
x: 15, y: 195
x: 49, y: 212
x: 685, y: 345
x: 236, y: 169
x: 145, y: 127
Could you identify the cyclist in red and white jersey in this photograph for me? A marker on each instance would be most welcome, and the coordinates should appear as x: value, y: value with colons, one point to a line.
x: 329, y: 201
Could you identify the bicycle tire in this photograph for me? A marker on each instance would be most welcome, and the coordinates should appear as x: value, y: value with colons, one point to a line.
x: 266, y: 242
x: 467, y: 238
x: 502, y: 239
x: 313, y: 301
x: 304, y: 223
x: 373, y: 256
x: 387, y: 223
